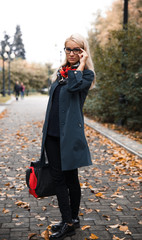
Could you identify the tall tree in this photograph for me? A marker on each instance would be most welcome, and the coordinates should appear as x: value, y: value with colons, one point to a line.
x: 18, y: 44
x: 117, y: 57
x: 113, y: 19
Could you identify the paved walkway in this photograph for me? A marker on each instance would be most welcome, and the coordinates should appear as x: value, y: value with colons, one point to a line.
x: 111, y: 200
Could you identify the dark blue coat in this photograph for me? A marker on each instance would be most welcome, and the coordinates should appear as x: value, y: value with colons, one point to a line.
x: 73, y: 145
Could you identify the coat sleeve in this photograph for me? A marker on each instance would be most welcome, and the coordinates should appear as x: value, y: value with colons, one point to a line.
x: 78, y: 81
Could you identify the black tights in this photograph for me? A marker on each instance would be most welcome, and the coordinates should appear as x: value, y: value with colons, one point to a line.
x: 67, y: 184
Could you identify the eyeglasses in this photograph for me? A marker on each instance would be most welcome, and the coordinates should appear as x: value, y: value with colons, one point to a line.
x: 74, y: 50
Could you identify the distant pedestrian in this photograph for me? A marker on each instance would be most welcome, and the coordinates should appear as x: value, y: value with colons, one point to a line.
x: 22, y: 90
x: 17, y: 90
x: 63, y: 131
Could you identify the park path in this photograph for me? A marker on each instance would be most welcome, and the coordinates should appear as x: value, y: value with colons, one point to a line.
x: 111, y: 199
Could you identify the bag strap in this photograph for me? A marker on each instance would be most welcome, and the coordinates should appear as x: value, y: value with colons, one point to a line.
x: 28, y: 172
x: 44, y: 159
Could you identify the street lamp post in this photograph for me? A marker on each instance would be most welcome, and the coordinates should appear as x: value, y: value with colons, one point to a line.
x: 125, y: 15
x: 3, y: 55
x: 6, y: 52
x: 122, y: 98
x: 3, y: 77
x: 10, y: 56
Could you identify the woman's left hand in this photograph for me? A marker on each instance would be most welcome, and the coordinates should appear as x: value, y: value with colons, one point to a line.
x: 83, y: 58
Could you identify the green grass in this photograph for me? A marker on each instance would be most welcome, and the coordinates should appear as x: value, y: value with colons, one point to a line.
x: 4, y: 99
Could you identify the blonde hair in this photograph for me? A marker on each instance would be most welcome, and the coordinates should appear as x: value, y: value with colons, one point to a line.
x: 82, y: 42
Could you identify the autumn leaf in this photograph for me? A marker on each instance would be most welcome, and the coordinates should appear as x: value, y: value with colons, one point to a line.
x: 5, y: 210
x: 97, y: 210
x: 22, y: 204
x: 93, y: 236
x: 85, y: 227
x: 54, y: 206
x: 138, y: 209
x: 49, y: 227
x: 40, y: 218
x: 119, y: 208
x: 7, y: 184
x: 19, y: 223
x: 45, y: 234
x: 40, y: 225
x: 123, y: 228
x: 114, y: 226
x: 117, y: 238
x: 34, y: 140
x: 88, y: 210
x: 99, y: 194
x: 113, y: 204
x: 117, y: 196
x: 91, y: 200
x: 128, y: 232
x: 30, y: 235
x: 107, y: 217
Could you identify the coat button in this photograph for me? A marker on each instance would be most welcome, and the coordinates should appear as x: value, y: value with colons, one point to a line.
x: 80, y: 125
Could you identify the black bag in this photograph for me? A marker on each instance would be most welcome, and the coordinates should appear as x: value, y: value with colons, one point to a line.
x: 39, y: 180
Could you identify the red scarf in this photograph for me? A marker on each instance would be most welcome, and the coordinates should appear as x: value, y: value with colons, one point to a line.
x: 64, y: 71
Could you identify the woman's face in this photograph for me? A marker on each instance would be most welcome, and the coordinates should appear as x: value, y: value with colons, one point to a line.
x: 72, y: 56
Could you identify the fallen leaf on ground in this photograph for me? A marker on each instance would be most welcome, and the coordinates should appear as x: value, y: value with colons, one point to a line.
x: 117, y: 196
x: 97, y: 210
x: 18, y: 224
x: 107, y: 217
x: 22, y: 204
x: 5, y: 210
x: 93, y: 236
x: 99, y: 194
x: 88, y: 210
x: 138, y: 209
x: 30, y: 235
x: 85, y: 227
x: 114, y: 226
x: 123, y: 228
x: 41, y: 218
x: 128, y: 232
x: 45, y: 234
x: 117, y: 238
x: 91, y: 199
x: 40, y: 225
x: 119, y: 208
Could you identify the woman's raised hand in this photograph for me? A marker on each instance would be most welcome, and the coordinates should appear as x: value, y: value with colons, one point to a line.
x: 83, y: 58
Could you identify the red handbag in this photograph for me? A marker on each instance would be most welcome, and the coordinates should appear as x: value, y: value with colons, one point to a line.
x: 39, y: 180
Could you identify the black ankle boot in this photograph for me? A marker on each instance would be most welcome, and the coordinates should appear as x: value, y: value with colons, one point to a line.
x: 57, y: 227
x: 76, y: 222
x: 65, y: 230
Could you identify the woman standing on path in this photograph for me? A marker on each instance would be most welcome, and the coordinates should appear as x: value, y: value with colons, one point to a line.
x: 63, y: 131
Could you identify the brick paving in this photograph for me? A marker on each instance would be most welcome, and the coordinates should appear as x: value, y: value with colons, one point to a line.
x: 107, y: 199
